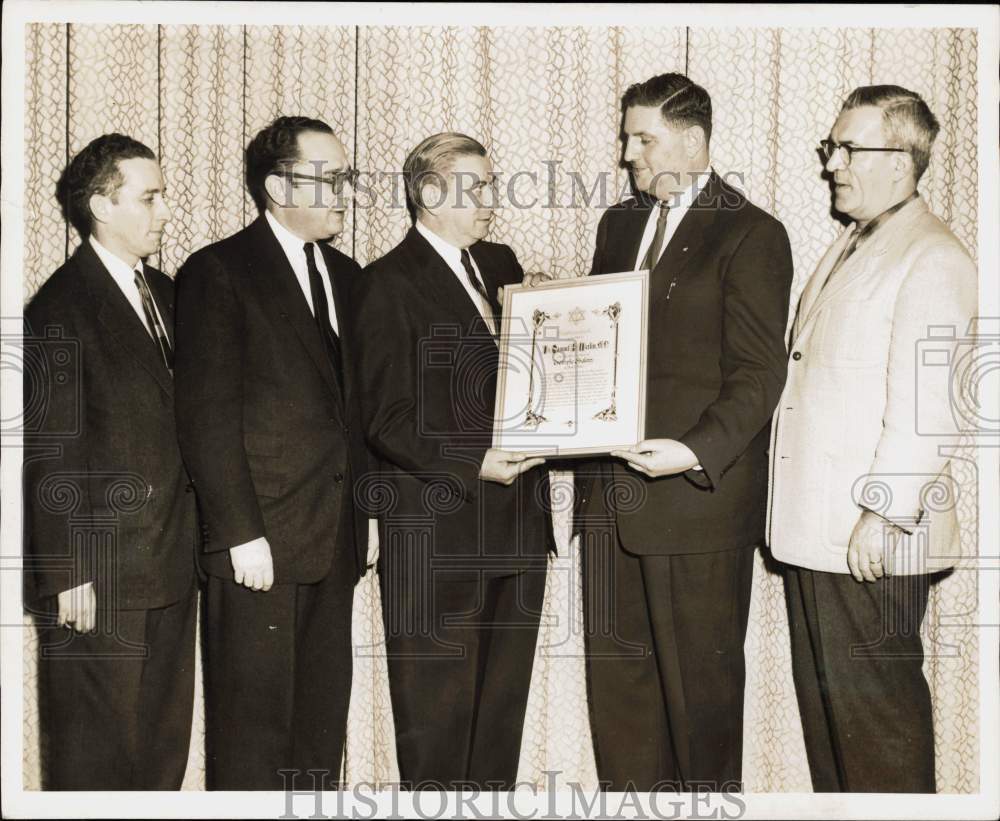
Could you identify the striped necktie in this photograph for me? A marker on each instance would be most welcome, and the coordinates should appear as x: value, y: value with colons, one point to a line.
x: 153, y: 320
x: 470, y: 272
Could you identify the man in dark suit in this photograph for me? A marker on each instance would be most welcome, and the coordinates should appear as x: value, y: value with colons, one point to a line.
x: 111, y: 524
x: 672, y: 524
x: 464, y: 536
x: 270, y: 434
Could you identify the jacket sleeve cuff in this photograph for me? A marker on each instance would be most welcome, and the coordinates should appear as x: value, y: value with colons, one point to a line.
x: 711, y: 470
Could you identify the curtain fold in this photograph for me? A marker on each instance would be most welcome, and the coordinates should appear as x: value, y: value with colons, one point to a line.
x: 545, y: 102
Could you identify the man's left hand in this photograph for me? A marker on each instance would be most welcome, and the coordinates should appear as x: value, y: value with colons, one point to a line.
x: 659, y: 457
x: 866, y: 551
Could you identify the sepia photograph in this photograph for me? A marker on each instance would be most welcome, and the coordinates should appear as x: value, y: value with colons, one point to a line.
x: 516, y: 411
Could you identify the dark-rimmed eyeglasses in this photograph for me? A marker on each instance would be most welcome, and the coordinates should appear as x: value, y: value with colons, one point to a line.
x: 846, y: 150
x: 335, y: 180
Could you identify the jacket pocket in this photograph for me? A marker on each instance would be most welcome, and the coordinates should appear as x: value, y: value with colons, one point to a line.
x: 853, y: 333
x: 262, y: 444
x: 267, y: 483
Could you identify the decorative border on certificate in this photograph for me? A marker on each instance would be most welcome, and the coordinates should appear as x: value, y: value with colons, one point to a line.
x: 572, y: 373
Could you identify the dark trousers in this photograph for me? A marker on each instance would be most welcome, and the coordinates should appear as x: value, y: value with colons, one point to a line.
x: 664, y: 638
x: 460, y: 654
x: 864, y: 702
x: 278, y: 681
x: 116, y: 705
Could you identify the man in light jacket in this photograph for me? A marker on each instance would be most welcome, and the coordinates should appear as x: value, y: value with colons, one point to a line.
x: 862, y: 502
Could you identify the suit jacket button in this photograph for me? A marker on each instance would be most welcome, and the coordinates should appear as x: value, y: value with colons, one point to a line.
x: 338, y: 477
x: 796, y: 356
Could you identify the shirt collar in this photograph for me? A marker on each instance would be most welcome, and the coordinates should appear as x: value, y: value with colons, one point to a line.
x: 683, y: 199
x: 448, y: 252
x: 293, y: 246
x: 116, y: 266
x: 873, y: 225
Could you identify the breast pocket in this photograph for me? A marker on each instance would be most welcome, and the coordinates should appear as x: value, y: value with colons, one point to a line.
x: 853, y: 334
x: 264, y: 453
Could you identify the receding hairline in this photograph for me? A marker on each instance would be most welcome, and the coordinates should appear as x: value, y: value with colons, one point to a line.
x: 298, y: 143
x: 434, y: 157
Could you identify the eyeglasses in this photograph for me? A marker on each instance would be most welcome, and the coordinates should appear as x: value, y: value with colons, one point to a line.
x: 829, y: 148
x: 335, y: 180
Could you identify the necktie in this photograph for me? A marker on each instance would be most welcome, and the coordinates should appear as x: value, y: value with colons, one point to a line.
x: 470, y: 272
x: 321, y: 308
x: 653, y: 254
x: 848, y: 250
x: 159, y: 332
x: 864, y: 233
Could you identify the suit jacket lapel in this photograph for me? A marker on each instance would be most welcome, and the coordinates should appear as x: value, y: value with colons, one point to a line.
x: 120, y: 319
x: 622, y: 249
x: 811, y: 291
x: 694, y: 232
x: 858, y: 264
x: 439, y: 278
x: 278, y: 280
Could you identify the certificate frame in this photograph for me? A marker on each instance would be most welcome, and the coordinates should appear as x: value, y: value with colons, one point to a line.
x: 602, y: 322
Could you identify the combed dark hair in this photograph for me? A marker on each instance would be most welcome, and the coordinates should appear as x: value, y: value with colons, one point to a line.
x: 682, y: 102
x: 907, y: 121
x: 94, y: 170
x: 433, y: 158
x: 275, y: 146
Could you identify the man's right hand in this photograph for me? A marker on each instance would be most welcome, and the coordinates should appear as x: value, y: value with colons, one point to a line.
x: 533, y: 278
x: 252, y: 564
x: 78, y: 608
x: 504, y: 466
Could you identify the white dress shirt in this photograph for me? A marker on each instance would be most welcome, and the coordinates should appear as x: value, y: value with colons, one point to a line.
x: 453, y: 258
x: 124, y: 278
x: 679, y: 205
x: 294, y: 248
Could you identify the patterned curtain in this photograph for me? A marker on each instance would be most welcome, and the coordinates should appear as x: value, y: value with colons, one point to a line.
x: 545, y: 103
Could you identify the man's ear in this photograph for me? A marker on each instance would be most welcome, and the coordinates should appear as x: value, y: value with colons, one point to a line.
x: 433, y: 193
x: 694, y: 140
x: 100, y: 207
x: 903, y: 166
x: 278, y: 190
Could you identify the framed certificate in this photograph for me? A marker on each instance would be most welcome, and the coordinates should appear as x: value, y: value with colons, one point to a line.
x: 572, y: 374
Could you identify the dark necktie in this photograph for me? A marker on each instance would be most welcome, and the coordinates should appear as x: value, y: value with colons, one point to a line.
x: 863, y: 234
x: 653, y: 254
x: 321, y: 308
x: 470, y: 272
x: 159, y: 332
x: 844, y: 255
